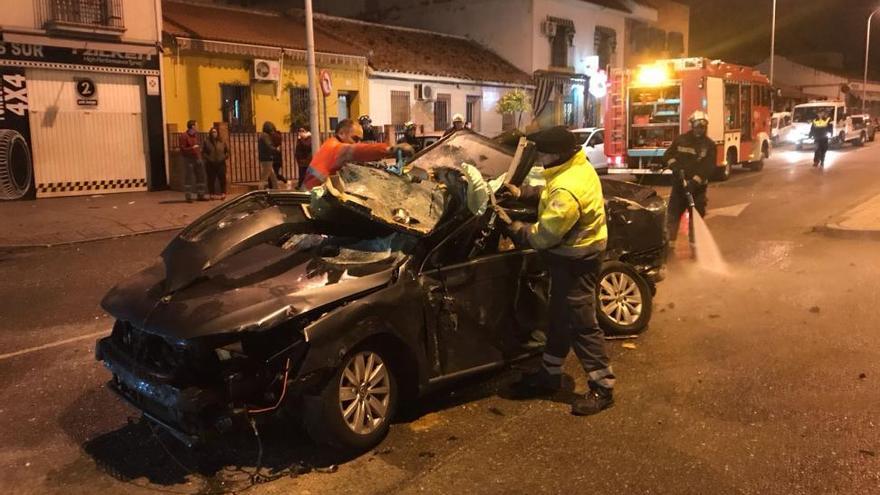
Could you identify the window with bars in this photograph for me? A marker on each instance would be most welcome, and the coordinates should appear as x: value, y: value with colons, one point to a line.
x: 88, y: 13
x: 400, y: 107
x: 299, y: 107
x: 441, y: 112
x: 605, y: 40
x: 236, y: 107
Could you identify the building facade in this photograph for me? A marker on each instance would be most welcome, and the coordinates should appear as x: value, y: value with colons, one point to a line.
x: 81, y: 111
x: 799, y: 83
x: 212, y: 54
x: 562, y: 44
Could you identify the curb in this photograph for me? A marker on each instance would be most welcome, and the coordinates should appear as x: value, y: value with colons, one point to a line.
x: 841, y: 232
x: 24, y: 247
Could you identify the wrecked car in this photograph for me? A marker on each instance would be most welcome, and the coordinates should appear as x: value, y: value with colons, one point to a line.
x: 339, y: 304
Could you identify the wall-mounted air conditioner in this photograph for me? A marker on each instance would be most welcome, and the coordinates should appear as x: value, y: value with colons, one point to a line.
x: 548, y: 29
x: 424, y: 92
x: 267, y: 70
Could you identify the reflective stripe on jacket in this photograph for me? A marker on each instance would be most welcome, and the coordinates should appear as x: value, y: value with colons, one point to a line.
x: 333, y: 154
x: 571, y: 210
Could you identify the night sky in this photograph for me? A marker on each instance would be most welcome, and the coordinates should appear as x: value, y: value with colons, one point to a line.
x: 739, y: 30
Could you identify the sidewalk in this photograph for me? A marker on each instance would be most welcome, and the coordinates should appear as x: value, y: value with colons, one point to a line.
x: 861, y: 221
x: 58, y: 221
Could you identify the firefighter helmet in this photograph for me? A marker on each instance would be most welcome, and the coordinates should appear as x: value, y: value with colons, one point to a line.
x: 409, y: 125
x: 458, y: 118
x: 699, y: 115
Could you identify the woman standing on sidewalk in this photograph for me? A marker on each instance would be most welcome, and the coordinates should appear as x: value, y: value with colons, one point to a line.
x: 266, y: 153
x: 216, y: 155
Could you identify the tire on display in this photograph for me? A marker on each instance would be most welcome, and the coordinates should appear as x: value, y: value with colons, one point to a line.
x: 623, y: 299
x: 16, y: 168
x: 353, y: 410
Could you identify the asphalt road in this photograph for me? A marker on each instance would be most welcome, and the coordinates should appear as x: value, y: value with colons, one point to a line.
x: 764, y: 379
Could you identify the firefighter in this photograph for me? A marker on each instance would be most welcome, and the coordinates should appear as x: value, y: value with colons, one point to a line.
x: 343, y: 147
x: 692, y: 154
x: 409, y: 136
x: 571, y: 236
x: 457, y: 124
x: 820, y: 131
x: 370, y: 134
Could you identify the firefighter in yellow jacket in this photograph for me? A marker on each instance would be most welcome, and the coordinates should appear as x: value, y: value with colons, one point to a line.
x: 571, y: 235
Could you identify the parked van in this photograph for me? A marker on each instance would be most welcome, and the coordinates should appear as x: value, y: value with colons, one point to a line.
x: 781, y: 127
x: 845, y: 131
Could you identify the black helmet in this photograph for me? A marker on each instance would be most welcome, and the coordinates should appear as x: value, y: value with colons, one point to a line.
x: 365, y: 119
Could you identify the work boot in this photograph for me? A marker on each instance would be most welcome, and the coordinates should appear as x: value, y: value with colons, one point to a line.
x: 537, y: 384
x: 596, y: 400
x: 815, y: 163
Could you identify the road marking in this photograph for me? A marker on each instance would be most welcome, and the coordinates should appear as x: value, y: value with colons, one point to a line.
x: 728, y: 211
x: 52, y: 344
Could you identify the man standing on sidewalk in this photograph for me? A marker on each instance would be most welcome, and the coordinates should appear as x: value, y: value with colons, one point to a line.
x: 570, y: 235
x: 194, y: 167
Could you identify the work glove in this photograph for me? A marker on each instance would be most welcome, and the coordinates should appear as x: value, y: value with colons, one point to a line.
x: 404, y: 148
x: 508, y: 191
x: 518, y: 232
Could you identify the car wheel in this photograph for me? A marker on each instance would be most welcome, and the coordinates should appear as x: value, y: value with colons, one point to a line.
x: 16, y: 169
x: 723, y: 173
x: 355, y: 407
x: 624, y: 299
x: 862, y: 139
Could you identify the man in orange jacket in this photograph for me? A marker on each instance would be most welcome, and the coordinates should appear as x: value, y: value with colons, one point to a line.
x: 346, y: 146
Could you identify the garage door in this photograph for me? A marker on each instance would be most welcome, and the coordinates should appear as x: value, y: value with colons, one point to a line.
x: 87, y: 148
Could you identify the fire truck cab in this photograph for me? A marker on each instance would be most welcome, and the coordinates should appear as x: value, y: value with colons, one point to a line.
x: 649, y: 106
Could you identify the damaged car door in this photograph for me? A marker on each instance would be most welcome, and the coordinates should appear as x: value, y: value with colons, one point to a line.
x: 469, y: 287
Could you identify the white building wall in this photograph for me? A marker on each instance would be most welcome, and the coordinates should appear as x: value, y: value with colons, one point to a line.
x: 586, y: 17
x: 808, y: 79
x: 422, y: 112
x: 504, y: 26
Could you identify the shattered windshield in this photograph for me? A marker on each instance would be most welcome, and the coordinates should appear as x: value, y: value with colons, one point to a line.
x: 490, y: 158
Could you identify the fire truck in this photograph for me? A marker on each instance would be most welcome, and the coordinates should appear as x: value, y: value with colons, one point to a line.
x: 649, y: 106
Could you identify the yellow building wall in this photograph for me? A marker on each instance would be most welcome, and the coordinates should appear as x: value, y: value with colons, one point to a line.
x: 192, y: 89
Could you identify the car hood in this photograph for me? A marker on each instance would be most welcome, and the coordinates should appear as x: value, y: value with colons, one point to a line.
x: 252, y: 290
x: 258, y: 260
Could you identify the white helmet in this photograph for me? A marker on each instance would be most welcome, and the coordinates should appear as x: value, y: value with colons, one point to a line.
x: 699, y: 115
x: 458, y: 118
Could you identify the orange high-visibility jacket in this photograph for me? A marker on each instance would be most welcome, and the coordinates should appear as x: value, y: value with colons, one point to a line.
x: 333, y: 154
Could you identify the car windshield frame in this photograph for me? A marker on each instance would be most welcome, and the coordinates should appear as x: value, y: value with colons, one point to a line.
x: 811, y: 113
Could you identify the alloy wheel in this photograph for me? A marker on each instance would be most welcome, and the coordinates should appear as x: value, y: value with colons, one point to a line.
x: 620, y: 298
x: 364, y: 392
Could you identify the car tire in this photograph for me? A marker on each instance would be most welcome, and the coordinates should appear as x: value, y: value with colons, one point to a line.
x: 723, y: 173
x: 620, y: 288
x: 16, y: 167
x: 862, y: 139
x: 349, y: 391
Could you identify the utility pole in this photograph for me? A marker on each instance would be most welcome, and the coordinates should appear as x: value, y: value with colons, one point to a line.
x: 867, y: 50
x: 773, y: 44
x: 313, y: 86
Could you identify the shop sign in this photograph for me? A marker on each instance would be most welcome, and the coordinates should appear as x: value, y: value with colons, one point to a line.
x: 31, y: 53
x: 16, y: 166
x: 87, y: 92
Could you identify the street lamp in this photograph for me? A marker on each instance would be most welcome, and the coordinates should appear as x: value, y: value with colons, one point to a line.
x: 773, y: 44
x: 867, y: 50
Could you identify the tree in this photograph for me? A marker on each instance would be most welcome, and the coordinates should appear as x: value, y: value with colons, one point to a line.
x: 514, y: 102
